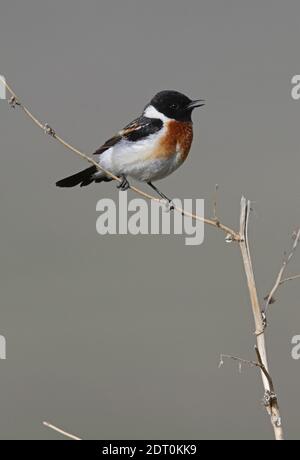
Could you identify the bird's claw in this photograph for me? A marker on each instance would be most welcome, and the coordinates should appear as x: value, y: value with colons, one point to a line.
x: 168, y: 204
x: 123, y: 185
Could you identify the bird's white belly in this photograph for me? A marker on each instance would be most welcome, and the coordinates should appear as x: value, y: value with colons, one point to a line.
x: 134, y: 160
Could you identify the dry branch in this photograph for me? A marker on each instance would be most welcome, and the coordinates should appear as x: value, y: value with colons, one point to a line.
x: 270, y: 298
x: 62, y: 432
x: 272, y: 408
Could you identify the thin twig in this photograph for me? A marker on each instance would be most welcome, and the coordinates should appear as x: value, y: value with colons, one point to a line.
x: 291, y: 278
x: 47, y: 129
x: 59, y: 430
x: 270, y: 298
x: 250, y: 363
x: 263, y: 368
x: 239, y: 360
x: 270, y: 398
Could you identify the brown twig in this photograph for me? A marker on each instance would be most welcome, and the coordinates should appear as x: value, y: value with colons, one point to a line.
x: 291, y: 278
x: 239, y: 360
x: 250, y: 363
x: 270, y: 298
x: 270, y: 396
x: 272, y: 407
x: 59, y: 430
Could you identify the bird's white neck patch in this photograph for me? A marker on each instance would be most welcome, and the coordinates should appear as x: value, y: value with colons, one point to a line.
x: 152, y: 112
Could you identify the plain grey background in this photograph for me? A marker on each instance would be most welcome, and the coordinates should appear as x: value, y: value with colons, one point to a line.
x: 120, y: 337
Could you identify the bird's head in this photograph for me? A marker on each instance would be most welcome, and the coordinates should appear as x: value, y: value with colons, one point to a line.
x: 172, y: 105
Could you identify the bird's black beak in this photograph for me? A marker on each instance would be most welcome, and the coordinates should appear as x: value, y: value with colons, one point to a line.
x: 197, y: 103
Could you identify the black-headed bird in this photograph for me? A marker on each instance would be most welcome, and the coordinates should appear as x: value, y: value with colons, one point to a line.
x: 149, y: 148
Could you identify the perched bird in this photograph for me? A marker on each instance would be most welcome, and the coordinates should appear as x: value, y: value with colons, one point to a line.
x: 148, y: 149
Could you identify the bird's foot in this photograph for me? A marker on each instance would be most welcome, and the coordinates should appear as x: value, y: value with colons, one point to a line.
x: 168, y: 204
x: 124, y: 184
x: 171, y: 205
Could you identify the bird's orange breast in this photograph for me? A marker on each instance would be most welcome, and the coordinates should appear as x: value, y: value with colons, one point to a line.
x: 176, y: 140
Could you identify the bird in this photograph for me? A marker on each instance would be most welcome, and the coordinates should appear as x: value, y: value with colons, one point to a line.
x: 149, y: 148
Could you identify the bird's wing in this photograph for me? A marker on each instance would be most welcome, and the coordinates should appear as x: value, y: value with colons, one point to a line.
x: 138, y: 129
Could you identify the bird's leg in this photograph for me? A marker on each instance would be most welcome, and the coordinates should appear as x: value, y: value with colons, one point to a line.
x: 124, y: 184
x: 164, y: 197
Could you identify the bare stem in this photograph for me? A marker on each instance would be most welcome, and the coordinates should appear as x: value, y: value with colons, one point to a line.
x: 291, y: 278
x: 59, y: 430
x: 250, y: 363
x: 279, y: 280
x: 272, y: 407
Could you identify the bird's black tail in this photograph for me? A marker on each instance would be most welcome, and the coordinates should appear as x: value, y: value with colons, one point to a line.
x: 85, y: 177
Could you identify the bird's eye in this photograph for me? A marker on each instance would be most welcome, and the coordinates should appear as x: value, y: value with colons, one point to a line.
x: 174, y: 106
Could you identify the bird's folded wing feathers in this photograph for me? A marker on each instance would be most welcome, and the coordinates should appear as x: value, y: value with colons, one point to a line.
x: 138, y: 129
